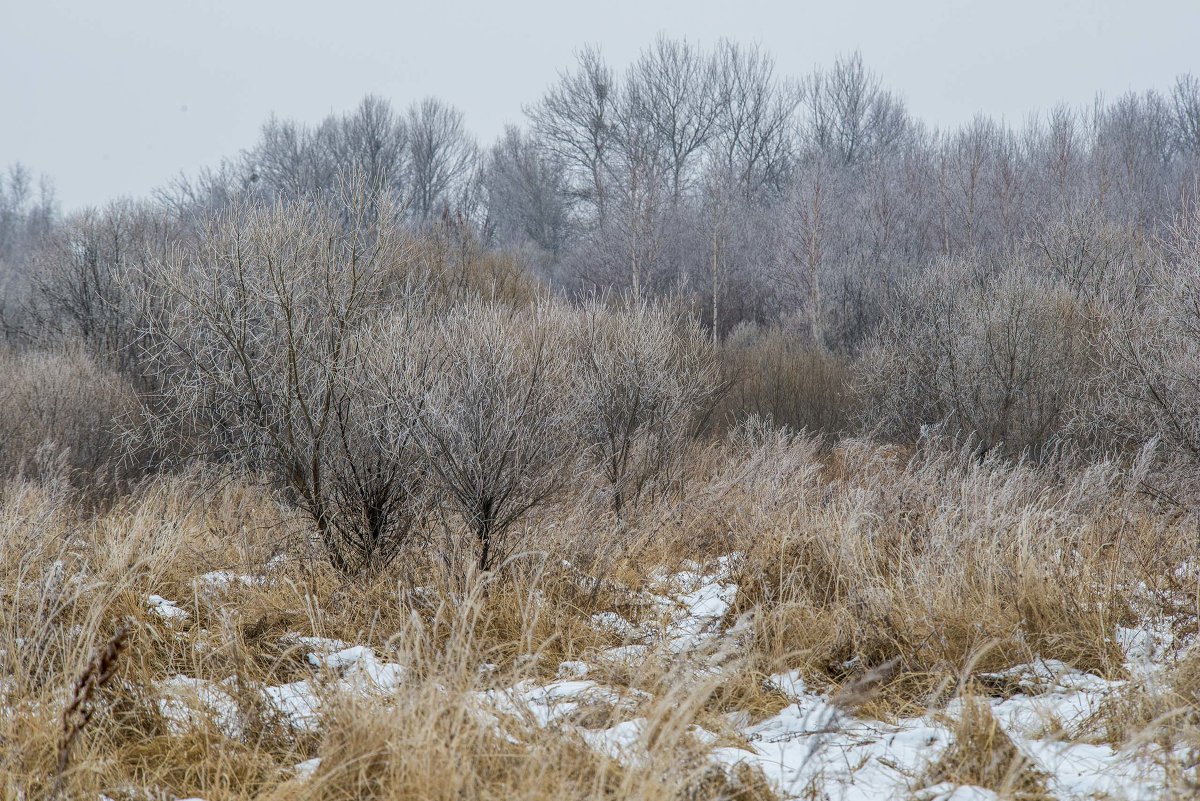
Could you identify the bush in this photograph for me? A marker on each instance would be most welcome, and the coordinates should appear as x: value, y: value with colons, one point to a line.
x: 643, y: 377
x: 774, y: 373
x: 489, y: 412
x: 88, y: 283
x: 262, y: 354
x: 1150, y: 381
x: 454, y: 264
x: 1003, y: 357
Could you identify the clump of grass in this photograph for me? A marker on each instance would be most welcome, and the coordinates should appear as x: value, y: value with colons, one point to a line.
x: 934, y: 559
x: 983, y: 755
x: 741, y: 782
x: 745, y: 687
x: 1161, y: 709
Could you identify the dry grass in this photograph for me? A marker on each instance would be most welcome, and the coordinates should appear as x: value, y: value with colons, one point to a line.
x: 932, y: 560
x: 1160, y: 712
x: 71, y: 577
x: 888, y: 577
x: 983, y: 755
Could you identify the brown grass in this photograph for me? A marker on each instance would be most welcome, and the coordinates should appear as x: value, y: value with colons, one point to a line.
x: 981, y: 754
x: 888, y: 577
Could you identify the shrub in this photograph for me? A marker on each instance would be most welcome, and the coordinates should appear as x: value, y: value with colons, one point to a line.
x: 491, y: 415
x: 262, y: 352
x: 775, y: 374
x: 454, y: 264
x: 643, y: 377
x: 1003, y: 357
x: 88, y: 282
x: 1086, y: 252
x: 1149, y: 385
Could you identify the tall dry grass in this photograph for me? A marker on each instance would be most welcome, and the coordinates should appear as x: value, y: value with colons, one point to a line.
x: 932, y: 561
x: 894, y: 578
x: 73, y: 579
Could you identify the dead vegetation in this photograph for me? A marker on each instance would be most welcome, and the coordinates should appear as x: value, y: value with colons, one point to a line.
x: 982, y: 755
x: 378, y: 476
x: 888, y: 578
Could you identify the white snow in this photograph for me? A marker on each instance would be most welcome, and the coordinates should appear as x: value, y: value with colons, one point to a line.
x: 218, y: 581
x: 811, y: 748
x: 573, y: 669
x: 307, y: 768
x: 166, y: 609
x: 188, y: 702
x: 298, y: 702
x: 348, y: 669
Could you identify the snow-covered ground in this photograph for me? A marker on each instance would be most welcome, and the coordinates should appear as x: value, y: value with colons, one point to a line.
x: 810, y: 748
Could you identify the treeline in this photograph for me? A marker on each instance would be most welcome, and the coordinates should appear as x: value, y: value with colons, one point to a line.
x: 757, y: 196
x: 673, y: 250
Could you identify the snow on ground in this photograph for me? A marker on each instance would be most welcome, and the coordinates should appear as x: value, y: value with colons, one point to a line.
x: 166, y: 609
x: 808, y: 749
x: 811, y: 745
x: 545, y: 704
x: 340, y: 668
x: 186, y: 702
x: 337, y: 667
x: 219, y: 581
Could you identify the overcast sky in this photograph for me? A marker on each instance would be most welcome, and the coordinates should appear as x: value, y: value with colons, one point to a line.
x: 113, y: 98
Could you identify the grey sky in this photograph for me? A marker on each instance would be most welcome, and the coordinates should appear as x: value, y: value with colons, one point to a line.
x: 113, y: 98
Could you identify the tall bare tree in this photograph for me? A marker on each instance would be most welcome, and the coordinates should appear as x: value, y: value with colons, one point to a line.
x: 442, y: 156
x: 574, y: 120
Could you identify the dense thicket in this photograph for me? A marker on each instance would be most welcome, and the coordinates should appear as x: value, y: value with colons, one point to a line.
x: 393, y: 324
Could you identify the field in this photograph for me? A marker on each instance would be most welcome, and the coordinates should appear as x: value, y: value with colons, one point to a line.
x: 803, y: 621
x: 712, y: 434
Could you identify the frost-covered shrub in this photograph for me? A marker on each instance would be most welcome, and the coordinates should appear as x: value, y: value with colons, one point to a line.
x: 642, y: 376
x: 490, y: 411
x: 262, y: 353
x: 1150, y: 380
x: 1003, y: 357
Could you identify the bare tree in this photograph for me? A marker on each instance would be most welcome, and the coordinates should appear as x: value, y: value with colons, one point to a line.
x: 718, y: 214
x: 87, y: 282
x: 290, y: 160
x: 1185, y: 101
x: 27, y: 219
x: 752, y: 136
x: 296, y: 160
x: 526, y: 194
x: 639, y: 175
x: 671, y: 89
x: 849, y: 115
x: 1150, y: 385
x: 808, y: 226
x: 441, y: 156
x: 1136, y: 146
x: 574, y: 120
